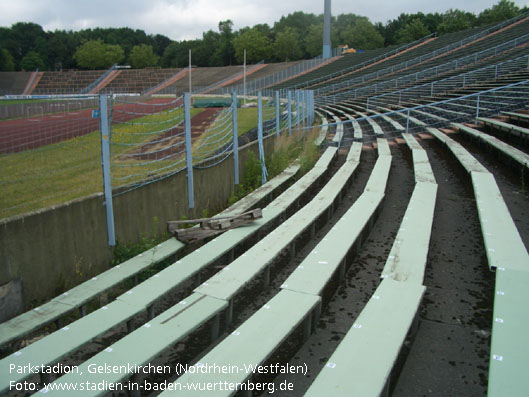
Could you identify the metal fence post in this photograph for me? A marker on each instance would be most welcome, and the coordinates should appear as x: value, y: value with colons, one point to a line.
x: 278, y: 126
x: 477, y: 109
x: 105, y: 157
x: 313, y: 106
x: 235, y: 139
x: 304, y: 108
x: 298, y: 108
x: 260, y: 136
x: 289, y: 112
x: 408, y: 121
x: 189, y: 153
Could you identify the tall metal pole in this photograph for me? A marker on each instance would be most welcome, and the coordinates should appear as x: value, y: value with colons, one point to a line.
x: 477, y: 110
x: 327, y: 30
x: 105, y: 156
x: 189, y: 153
x: 289, y: 112
x: 298, y: 106
x: 190, y: 68
x: 260, y: 136
x: 244, y: 77
x: 278, y: 109
x: 235, y: 139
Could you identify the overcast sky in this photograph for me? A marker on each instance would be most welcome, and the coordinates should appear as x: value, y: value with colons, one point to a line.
x: 187, y: 19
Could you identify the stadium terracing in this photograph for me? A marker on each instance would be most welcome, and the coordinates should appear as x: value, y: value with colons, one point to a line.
x: 406, y: 269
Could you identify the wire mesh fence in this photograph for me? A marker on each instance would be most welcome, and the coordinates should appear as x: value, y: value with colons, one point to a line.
x: 49, y: 153
x: 147, y: 140
x: 51, y: 147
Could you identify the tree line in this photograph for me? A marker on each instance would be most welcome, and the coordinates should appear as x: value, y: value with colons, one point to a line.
x: 26, y: 46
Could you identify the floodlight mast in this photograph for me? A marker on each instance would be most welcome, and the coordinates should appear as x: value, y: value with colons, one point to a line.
x: 327, y: 53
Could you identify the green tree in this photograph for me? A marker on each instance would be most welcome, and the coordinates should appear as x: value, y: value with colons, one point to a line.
x: 455, y: 20
x: 208, y: 51
x: 393, y: 28
x: 160, y: 43
x: 412, y: 31
x: 257, y: 46
x: 226, y: 50
x: 22, y: 38
x: 143, y: 56
x: 7, y: 62
x: 32, y: 61
x: 363, y: 35
x: 299, y: 21
x: 287, y: 45
x: 502, y: 11
x: 95, y: 54
x: 314, y: 40
x: 170, y: 55
x: 173, y: 52
x: 61, y: 46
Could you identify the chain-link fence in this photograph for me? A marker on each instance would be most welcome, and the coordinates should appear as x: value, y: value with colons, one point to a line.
x: 53, y: 148
x: 50, y: 152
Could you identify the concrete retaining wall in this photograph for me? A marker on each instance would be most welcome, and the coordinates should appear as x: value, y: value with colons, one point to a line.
x: 44, y: 252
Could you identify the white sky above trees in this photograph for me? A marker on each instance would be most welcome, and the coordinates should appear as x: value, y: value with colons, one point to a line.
x: 187, y: 19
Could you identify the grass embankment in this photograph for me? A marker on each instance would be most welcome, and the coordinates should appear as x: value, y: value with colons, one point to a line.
x: 288, y: 148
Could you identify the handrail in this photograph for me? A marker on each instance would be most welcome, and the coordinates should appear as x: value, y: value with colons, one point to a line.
x: 365, y: 63
x: 30, y: 83
x: 203, y: 89
x: 448, y: 66
x: 473, y: 73
x: 94, y: 84
x: 154, y: 88
x: 434, y: 53
x: 434, y: 104
x: 397, y: 67
x: 276, y: 77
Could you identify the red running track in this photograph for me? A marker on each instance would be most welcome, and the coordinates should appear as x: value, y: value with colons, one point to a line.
x: 19, y: 135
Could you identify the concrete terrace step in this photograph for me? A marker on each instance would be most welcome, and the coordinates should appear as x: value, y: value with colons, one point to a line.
x: 511, y: 152
x: 226, y: 284
x: 248, y: 346
x: 506, y: 127
x: 198, y: 317
x: 408, y: 255
x: 509, y: 349
x: 169, y: 327
x: 313, y: 274
x: 48, y: 350
x: 363, y: 361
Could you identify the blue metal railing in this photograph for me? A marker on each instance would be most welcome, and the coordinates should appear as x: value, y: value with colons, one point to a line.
x: 94, y: 84
x: 430, y: 72
x: 453, y: 82
x: 521, y: 100
x: 363, y: 64
x: 417, y: 60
